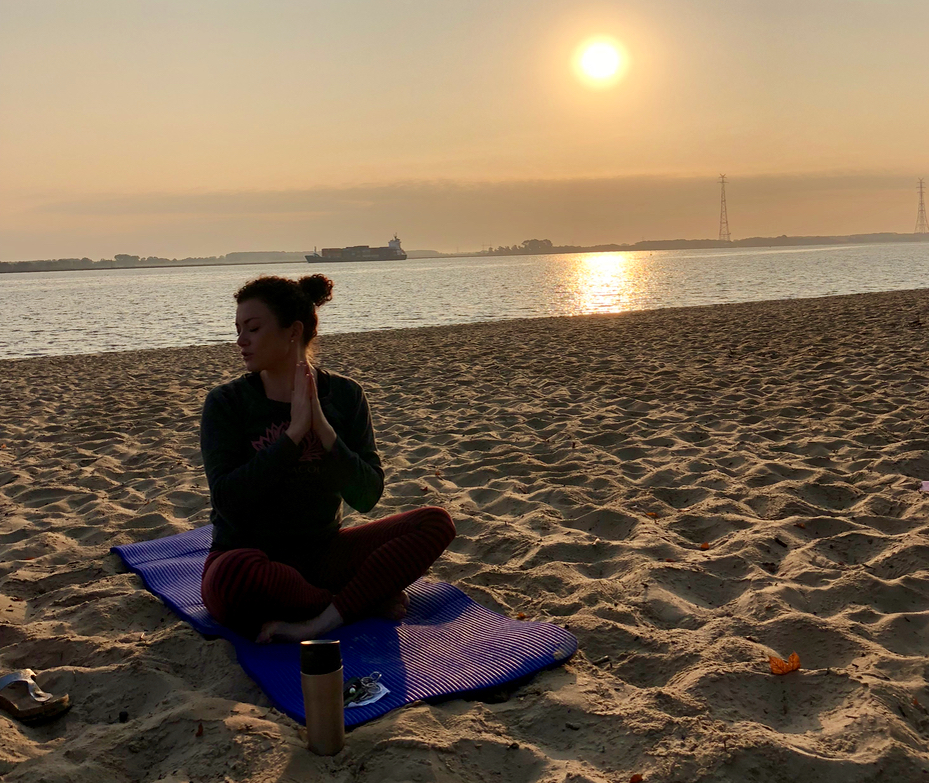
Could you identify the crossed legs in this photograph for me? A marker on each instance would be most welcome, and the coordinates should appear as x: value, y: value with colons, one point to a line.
x: 363, y: 571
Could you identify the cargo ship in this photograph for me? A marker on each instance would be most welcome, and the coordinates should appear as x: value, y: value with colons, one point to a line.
x: 393, y: 252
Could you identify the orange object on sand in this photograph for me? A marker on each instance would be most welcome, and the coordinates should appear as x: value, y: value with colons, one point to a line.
x: 779, y: 666
x: 704, y: 545
x: 637, y: 778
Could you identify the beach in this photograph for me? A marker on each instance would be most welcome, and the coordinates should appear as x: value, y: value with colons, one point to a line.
x: 688, y: 491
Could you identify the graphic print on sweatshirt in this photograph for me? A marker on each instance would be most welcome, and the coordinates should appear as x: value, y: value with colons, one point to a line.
x: 312, y: 445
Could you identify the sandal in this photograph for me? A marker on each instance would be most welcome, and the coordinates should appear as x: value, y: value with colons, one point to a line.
x: 31, y: 704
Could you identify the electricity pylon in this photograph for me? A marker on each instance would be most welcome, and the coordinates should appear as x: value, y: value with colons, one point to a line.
x: 723, y: 216
x: 922, y: 227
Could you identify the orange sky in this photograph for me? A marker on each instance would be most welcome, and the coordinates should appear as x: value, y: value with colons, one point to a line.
x: 174, y: 128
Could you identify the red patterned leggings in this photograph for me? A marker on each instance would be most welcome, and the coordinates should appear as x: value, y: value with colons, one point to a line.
x: 363, y: 566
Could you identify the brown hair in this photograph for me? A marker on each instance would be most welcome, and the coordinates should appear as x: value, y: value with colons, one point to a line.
x: 290, y: 300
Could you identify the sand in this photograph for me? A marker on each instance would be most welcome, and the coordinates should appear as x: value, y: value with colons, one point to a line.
x: 688, y: 491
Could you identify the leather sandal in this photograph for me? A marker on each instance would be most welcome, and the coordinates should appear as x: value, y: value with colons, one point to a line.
x: 23, y: 699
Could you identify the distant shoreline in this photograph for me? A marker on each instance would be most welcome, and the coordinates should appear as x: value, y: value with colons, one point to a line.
x: 543, y: 246
x: 152, y: 262
x: 529, y: 247
x: 180, y: 264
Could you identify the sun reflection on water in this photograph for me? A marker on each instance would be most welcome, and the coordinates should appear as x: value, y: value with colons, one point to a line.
x: 606, y: 283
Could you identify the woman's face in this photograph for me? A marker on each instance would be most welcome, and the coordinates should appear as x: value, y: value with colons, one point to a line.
x: 263, y: 342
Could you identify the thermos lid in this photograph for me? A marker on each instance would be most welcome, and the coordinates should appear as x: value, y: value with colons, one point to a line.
x: 320, y: 656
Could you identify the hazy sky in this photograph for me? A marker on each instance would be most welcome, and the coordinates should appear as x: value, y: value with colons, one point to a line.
x: 200, y: 127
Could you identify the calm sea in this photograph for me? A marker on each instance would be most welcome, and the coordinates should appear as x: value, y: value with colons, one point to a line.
x: 55, y: 313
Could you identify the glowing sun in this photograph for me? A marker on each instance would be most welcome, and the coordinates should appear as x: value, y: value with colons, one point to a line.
x: 600, y: 62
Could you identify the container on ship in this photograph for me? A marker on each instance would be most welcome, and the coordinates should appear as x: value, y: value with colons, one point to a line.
x: 393, y: 252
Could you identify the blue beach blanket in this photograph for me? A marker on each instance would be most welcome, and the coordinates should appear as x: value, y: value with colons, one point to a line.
x: 446, y: 645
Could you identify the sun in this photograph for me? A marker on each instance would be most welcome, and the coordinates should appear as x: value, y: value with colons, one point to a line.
x: 600, y: 62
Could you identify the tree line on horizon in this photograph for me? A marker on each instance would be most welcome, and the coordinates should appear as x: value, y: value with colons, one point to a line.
x: 124, y: 261
x: 545, y: 246
x: 526, y: 247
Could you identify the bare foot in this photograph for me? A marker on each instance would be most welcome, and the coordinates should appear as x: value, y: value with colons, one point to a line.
x: 283, y: 631
x: 395, y: 607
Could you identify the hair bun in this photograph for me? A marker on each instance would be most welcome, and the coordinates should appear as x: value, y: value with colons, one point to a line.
x: 316, y: 288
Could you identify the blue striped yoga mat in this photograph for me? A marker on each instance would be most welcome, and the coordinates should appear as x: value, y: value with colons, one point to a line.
x: 446, y: 645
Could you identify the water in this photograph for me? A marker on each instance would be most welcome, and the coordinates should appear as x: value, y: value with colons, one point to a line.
x: 55, y: 313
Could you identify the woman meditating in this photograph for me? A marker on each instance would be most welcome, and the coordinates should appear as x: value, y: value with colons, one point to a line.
x: 283, y: 446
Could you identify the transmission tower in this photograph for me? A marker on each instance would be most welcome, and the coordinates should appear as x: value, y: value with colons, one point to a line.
x: 922, y: 227
x: 723, y: 217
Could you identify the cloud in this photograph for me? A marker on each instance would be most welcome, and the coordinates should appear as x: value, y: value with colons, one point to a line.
x: 446, y: 215
x: 561, y: 193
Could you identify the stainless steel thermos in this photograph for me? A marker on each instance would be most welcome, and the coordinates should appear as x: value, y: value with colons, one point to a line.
x: 321, y: 677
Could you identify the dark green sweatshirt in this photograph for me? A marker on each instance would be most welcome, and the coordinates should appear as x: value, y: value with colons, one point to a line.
x: 270, y: 494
